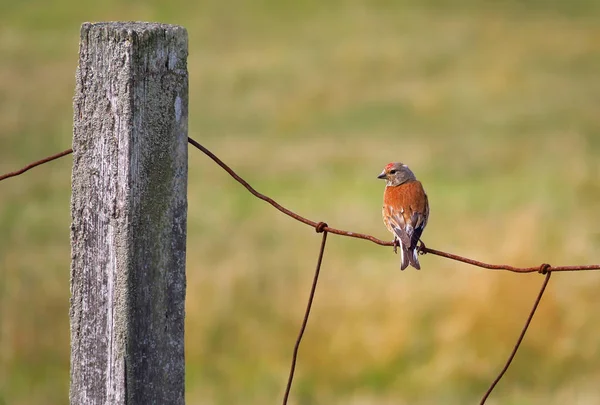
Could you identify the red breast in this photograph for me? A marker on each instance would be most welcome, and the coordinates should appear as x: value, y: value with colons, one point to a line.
x: 408, y: 197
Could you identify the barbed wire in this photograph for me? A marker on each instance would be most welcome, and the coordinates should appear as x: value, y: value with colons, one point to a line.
x: 322, y: 227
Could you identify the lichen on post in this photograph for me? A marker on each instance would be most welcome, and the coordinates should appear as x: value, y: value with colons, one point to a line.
x: 129, y: 209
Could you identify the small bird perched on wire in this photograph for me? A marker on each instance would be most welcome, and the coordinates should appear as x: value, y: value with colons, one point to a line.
x: 405, y: 210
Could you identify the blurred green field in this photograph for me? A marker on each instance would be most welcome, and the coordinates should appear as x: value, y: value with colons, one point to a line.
x: 495, y: 107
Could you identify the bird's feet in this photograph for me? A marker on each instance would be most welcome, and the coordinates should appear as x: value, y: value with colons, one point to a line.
x: 422, y: 249
x: 396, y: 244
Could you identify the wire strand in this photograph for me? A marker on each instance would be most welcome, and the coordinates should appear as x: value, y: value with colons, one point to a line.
x: 519, y: 340
x: 322, y: 227
x: 311, y: 297
x: 423, y: 249
x: 36, y: 163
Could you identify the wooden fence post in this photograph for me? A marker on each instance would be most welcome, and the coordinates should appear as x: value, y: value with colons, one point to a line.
x: 129, y: 209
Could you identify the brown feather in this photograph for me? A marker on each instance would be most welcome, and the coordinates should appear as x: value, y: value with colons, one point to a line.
x: 406, y: 206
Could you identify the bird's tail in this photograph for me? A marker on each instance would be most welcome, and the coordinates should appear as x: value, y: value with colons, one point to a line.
x: 404, y: 254
x: 409, y: 256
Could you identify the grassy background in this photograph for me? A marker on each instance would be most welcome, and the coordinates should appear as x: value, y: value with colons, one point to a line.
x: 495, y: 107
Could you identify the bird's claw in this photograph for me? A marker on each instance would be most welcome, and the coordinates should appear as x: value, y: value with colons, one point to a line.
x: 396, y: 244
x: 422, y: 249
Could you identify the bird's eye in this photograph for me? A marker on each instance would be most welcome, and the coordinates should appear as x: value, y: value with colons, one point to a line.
x: 393, y: 171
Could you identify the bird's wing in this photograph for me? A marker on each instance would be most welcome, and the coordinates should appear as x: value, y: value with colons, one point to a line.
x: 396, y: 223
x: 419, y: 218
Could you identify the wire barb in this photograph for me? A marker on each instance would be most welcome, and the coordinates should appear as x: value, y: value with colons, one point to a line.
x: 320, y: 228
x: 306, y: 313
x: 544, y: 268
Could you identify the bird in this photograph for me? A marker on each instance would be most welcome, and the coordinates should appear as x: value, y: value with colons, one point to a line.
x: 405, y: 210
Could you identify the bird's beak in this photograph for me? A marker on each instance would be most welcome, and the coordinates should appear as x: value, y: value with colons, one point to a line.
x: 382, y: 175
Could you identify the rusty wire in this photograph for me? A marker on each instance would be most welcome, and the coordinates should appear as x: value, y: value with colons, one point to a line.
x: 423, y: 249
x: 513, y: 269
x: 324, y: 228
x: 320, y: 229
x: 544, y: 270
x: 320, y: 226
x: 279, y: 206
x: 36, y: 163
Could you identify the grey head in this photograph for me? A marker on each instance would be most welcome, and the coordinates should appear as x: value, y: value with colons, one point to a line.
x: 396, y: 174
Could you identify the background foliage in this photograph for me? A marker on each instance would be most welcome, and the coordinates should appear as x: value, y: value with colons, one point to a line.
x: 495, y: 107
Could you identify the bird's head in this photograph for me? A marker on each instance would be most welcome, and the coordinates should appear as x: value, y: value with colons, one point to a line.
x: 396, y: 174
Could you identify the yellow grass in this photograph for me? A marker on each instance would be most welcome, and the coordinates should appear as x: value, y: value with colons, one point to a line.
x: 496, y: 111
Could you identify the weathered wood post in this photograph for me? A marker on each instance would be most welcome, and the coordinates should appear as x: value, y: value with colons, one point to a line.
x: 129, y: 208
